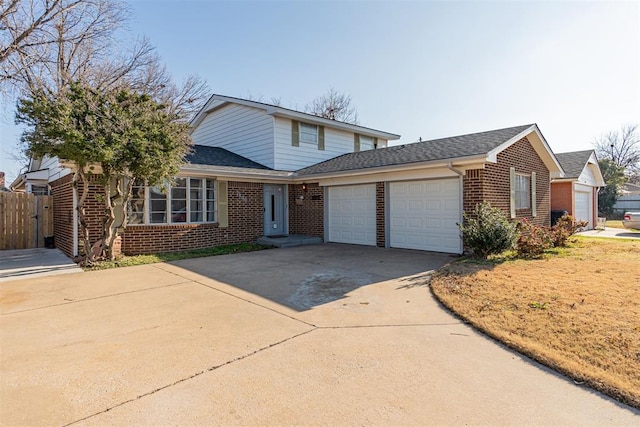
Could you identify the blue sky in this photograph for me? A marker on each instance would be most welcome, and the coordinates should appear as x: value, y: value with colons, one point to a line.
x: 420, y: 69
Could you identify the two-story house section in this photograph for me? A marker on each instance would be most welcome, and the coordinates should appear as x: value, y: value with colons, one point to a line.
x: 262, y: 170
x: 277, y: 137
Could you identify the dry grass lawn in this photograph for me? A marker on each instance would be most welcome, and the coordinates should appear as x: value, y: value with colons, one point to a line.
x: 576, y: 311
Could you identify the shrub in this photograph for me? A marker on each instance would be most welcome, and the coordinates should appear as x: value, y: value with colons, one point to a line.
x: 564, y: 228
x: 487, y: 231
x: 533, y: 240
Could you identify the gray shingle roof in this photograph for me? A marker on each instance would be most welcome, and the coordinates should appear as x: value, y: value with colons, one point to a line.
x: 437, y: 149
x: 574, y: 162
x: 215, y: 156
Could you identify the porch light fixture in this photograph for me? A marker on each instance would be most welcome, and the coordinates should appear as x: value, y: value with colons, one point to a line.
x: 304, y: 187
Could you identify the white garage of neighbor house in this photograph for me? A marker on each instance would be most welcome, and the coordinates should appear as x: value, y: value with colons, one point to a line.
x: 577, y: 191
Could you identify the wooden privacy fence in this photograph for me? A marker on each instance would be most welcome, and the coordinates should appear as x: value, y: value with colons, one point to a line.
x: 25, y: 220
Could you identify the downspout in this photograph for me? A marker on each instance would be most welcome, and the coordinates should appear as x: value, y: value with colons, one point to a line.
x: 461, y: 198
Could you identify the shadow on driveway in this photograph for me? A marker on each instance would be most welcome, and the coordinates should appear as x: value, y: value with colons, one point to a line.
x: 305, y: 277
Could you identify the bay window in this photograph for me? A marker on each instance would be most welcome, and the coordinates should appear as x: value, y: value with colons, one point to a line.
x: 188, y: 200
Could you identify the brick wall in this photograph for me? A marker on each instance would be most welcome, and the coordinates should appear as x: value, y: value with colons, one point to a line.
x: 306, y: 218
x: 472, y: 189
x: 380, y: 216
x: 492, y: 183
x: 562, y: 196
x: 245, y: 206
x: 62, y: 193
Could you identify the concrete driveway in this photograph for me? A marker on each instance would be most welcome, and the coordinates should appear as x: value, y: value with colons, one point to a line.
x: 30, y: 263
x: 325, y: 334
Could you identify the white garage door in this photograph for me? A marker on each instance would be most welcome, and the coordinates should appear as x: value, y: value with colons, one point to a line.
x: 424, y: 215
x: 352, y: 214
x: 583, y: 207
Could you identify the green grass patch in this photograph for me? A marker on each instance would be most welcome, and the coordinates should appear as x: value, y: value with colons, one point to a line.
x: 128, y: 261
x: 614, y: 223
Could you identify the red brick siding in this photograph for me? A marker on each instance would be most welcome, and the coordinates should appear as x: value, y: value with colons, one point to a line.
x: 472, y: 189
x: 245, y: 225
x: 62, y: 193
x: 562, y: 196
x: 306, y: 217
x: 380, y: 216
x: 492, y: 183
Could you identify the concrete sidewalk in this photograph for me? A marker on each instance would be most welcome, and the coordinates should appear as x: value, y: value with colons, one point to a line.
x: 324, y: 334
x: 614, y: 233
x: 23, y: 264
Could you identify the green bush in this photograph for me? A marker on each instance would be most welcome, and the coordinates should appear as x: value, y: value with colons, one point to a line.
x: 487, y: 231
x: 533, y: 240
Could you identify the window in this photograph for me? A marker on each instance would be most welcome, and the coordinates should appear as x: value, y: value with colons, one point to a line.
x: 366, y: 143
x: 40, y: 190
x: 189, y: 200
x: 158, y: 205
x: 136, y: 204
x: 308, y: 133
x: 179, y: 201
x: 523, y: 191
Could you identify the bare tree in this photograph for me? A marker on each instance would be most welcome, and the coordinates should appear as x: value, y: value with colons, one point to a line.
x: 622, y: 148
x: 335, y: 106
x: 24, y: 24
x: 47, y: 44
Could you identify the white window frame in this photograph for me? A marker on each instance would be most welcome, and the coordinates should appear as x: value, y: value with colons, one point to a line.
x: 308, y: 135
x: 167, y: 192
x: 522, y: 194
x: 366, y: 142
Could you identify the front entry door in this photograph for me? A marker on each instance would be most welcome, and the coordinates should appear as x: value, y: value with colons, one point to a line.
x: 274, y: 210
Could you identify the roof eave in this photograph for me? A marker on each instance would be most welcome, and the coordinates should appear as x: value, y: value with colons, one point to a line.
x: 285, y: 112
x: 249, y: 175
x: 460, y: 162
x: 539, y: 144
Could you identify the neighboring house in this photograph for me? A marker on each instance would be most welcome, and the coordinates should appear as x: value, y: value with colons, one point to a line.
x: 40, y: 173
x: 629, y: 200
x: 2, y: 187
x: 577, y: 191
x: 259, y: 169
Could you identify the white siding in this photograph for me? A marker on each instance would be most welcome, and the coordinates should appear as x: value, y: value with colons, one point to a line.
x: 245, y: 131
x: 53, y: 165
x: 587, y: 176
x: 288, y: 157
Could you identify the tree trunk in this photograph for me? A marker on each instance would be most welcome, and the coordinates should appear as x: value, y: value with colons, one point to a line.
x: 108, y: 219
x: 82, y: 219
x: 125, y: 197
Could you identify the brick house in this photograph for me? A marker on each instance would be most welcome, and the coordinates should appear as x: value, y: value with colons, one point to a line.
x: 263, y: 170
x: 577, y: 190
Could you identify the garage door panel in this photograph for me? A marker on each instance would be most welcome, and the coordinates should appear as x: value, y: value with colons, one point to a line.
x: 583, y: 206
x: 352, y: 211
x: 424, y: 215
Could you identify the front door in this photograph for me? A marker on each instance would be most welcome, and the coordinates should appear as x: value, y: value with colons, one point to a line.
x: 274, y: 210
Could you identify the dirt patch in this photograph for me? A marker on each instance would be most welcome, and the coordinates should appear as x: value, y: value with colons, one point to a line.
x: 577, y: 311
